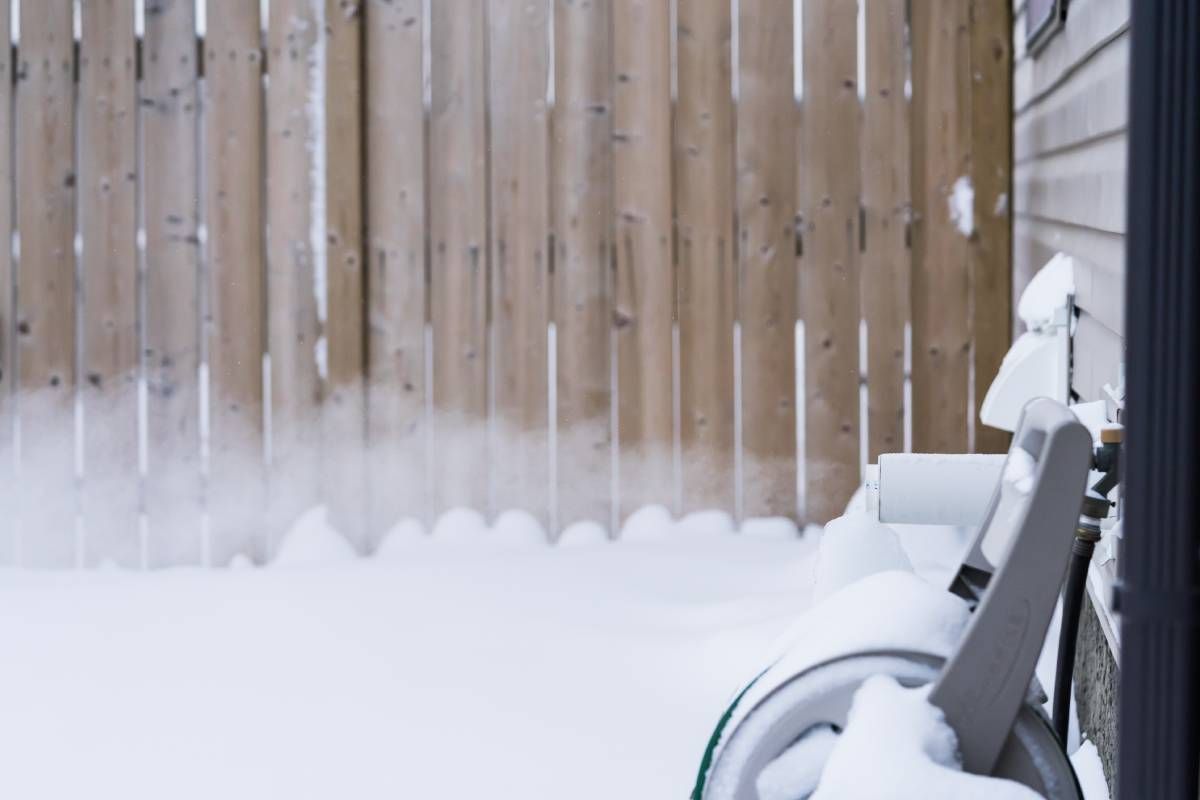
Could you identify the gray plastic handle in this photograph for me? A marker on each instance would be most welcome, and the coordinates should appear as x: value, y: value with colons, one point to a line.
x: 1030, y: 523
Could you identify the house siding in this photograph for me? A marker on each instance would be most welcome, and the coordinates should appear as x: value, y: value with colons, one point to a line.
x: 1071, y: 113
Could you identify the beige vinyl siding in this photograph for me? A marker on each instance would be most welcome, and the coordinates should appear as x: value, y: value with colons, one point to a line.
x: 1071, y: 107
x: 1071, y: 115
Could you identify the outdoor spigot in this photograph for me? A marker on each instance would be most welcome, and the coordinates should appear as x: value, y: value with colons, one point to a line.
x: 1106, y: 458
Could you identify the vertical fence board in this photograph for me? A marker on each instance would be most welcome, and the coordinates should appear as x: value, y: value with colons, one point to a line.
x: 829, y: 274
x: 293, y: 39
x: 395, y: 167
x: 109, y: 278
x: 886, y: 269
x: 991, y: 160
x: 766, y: 197
x: 581, y: 192
x: 644, y: 278
x: 46, y: 280
x: 171, y: 209
x: 940, y: 286
x: 332, y: 240
x: 234, y: 184
x: 8, y: 489
x: 458, y: 226
x: 520, y: 63
x: 706, y: 274
x: 343, y: 459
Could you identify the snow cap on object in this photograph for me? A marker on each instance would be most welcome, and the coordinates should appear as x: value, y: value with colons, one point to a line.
x: 584, y: 533
x: 518, y: 528
x: 648, y: 524
x: 911, y: 751
x: 855, y: 546
x: 312, y: 541
x: 1047, y: 292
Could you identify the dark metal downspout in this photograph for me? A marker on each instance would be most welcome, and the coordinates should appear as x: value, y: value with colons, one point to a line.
x: 1157, y: 598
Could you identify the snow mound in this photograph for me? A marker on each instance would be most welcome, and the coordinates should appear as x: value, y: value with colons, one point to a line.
x: 705, y: 523
x: 578, y: 675
x: 312, y: 541
x: 911, y: 751
x: 518, y: 529
x: 855, y: 546
x: 773, y: 528
x: 240, y: 561
x: 401, y: 540
x: 584, y: 533
x: 648, y: 524
x: 460, y: 526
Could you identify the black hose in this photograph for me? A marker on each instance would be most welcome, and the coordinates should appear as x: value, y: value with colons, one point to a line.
x: 1072, y: 607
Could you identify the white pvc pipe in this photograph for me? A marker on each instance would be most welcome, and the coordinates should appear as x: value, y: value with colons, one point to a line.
x: 932, y: 488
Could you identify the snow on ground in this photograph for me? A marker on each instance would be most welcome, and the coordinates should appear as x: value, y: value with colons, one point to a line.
x: 434, y: 671
x: 475, y: 661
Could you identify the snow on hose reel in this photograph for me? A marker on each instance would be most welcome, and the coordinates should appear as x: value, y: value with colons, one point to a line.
x: 1012, y: 574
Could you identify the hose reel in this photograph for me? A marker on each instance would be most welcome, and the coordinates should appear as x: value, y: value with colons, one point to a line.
x: 1012, y: 575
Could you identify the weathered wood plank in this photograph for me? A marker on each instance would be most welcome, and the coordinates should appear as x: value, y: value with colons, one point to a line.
x: 520, y: 219
x: 766, y: 198
x: 991, y: 174
x: 234, y: 180
x: 109, y: 276
x: 8, y: 488
x: 395, y: 174
x: 581, y: 216
x: 829, y: 267
x: 458, y: 278
x: 343, y: 458
x: 171, y: 212
x: 941, y: 119
x: 45, y: 313
x: 293, y: 325
x: 704, y: 175
x: 886, y: 268
x: 644, y: 277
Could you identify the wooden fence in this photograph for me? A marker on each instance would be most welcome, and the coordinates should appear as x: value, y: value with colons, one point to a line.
x: 397, y: 256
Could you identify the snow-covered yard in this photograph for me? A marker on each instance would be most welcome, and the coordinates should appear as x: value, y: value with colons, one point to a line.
x: 440, y: 670
x: 474, y: 663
